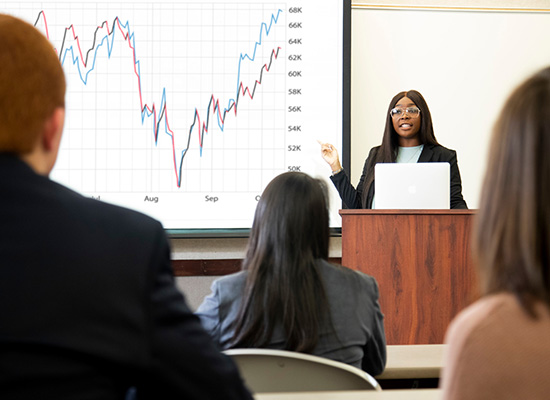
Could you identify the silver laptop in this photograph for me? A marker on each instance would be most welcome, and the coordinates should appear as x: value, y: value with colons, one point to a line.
x: 418, y: 186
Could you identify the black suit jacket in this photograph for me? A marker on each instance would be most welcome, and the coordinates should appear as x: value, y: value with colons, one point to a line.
x: 88, y: 304
x: 430, y: 153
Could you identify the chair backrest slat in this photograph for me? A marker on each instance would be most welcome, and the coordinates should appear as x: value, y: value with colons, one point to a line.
x: 268, y: 371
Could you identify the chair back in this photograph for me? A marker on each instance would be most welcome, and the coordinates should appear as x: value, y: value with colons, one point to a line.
x: 266, y: 371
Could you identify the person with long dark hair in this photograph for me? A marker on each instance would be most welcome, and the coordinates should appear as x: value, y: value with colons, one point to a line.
x: 288, y: 296
x: 499, y: 347
x: 408, y: 138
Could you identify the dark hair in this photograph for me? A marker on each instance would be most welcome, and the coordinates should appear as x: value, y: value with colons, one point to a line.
x: 512, y: 233
x: 290, y: 233
x: 387, y: 153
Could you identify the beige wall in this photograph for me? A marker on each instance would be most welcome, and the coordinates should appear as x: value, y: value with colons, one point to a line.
x: 465, y: 63
x: 228, y: 248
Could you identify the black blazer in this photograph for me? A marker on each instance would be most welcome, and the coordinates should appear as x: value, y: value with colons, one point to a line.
x: 430, y: 153
x: 89, y: 306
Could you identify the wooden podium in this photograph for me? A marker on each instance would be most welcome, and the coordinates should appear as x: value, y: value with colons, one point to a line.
x: 422, y: 262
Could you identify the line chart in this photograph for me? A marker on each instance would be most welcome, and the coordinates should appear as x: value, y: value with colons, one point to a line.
x: 151, y: 111
x: 186, y: 110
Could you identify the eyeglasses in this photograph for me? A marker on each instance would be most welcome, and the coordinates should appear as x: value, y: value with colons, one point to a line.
x: 413, y: 112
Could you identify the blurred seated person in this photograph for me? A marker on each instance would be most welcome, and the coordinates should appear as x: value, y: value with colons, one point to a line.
x: 499, y: 347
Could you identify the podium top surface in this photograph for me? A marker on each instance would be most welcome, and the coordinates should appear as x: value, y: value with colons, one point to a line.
x: 405, y: 212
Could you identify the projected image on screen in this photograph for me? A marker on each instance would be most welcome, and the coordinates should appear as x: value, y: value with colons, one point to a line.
x: 186, y: 110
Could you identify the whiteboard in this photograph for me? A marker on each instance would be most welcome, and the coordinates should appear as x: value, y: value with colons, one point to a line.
x: 464, y: 62
x: 186, y: 110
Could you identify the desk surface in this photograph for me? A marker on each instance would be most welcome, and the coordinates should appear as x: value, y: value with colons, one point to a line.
x: 416, y: 361
x: 410, y: 394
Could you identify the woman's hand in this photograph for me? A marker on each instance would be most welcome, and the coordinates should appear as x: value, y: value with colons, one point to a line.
x: 330, y: 155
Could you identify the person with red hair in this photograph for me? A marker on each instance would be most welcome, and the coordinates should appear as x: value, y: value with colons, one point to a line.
x: 89, y: 309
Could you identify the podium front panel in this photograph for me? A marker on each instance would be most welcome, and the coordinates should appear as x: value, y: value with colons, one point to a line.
x: 422, y: 263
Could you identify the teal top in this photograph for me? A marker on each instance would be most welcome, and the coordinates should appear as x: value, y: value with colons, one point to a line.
x: 409, y: 154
